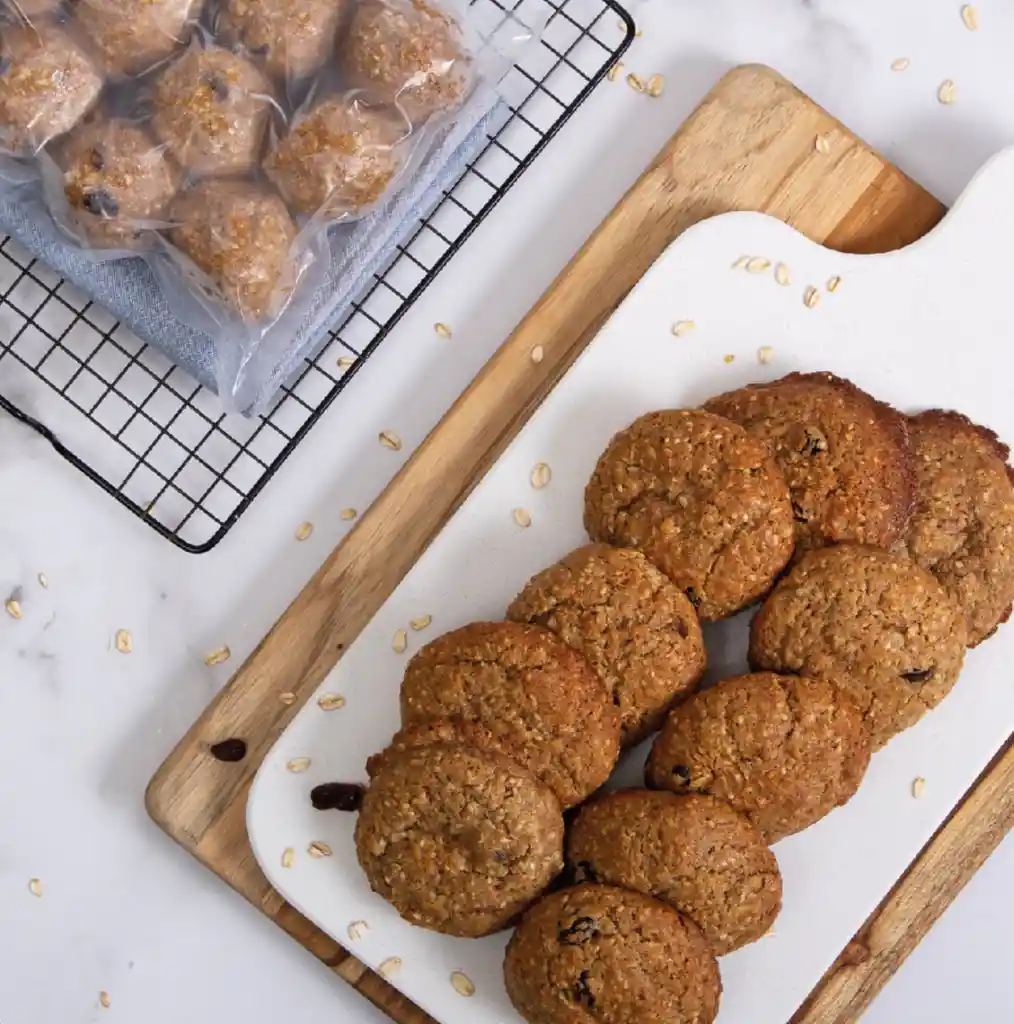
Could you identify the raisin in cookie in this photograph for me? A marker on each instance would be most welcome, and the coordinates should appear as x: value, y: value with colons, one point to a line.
x: 693, y: 852
x: 847, y: 457
x: 459, y: 841
x: 874, y: 624
x: 639, y: 631
x: 596, y: 953
x: 963, y: 527
x: 701, y: 499
x: 539, y: 697
x: 783, y: 750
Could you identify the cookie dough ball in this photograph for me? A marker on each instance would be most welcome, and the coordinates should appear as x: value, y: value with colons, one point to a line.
x: 847, y: 457
x: 596, y: 953
x: 338, y: 158
x: 639, y: 631
x: 702, y: 499
x: 117, y: 182
x: 872, y: 623
x: 408, y: 53
x: 241, y: 237
x: 693, y: 852
x: 132, y: 36
x: 290, y: 39
x: 47, y: 84
x: 783, y: 750
x: 211, y: 109
x: 459, y: 841
x: 962, y: 530
x: 541, y: 699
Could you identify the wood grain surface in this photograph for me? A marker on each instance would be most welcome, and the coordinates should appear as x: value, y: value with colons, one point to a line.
x: 749, y: 146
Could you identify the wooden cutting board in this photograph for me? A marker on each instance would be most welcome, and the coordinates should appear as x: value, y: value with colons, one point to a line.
x: 749, y: 146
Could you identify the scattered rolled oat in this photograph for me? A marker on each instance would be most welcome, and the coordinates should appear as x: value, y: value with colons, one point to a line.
x: 729, y: 358
x: 811, y: 297
x: 344, y: 362
x: 317, y: 850
x: 757, y: 265
x: 636, y: 82
x: 443, y: 330
x: 656, y: 86
x: 682, y: 327
x: 296, y: 765
x: 355, y: 930
x: 822, y: 144
x: 522, y: 517
x: 35, y: 887
x: 741, y: 262
x: 304, y: 531
x: 104, y: 1000
x: 43, y: 581
x: 782, y: 275
x: 330, y: 701
x: 421, y: 622
x: 947, y: 93
x: 288, y: 857
x: 832, y: 284
x: 348, y: 513
x: 13, y: 608
x: 287, y: 698
x: 217, y: 656
x: 538, y: 353
x: 615, y: 70
x: 765, y: 354
x: 390, y: 440
x: 400, y: 641
x: 901, y: 64
x: 970, y: 16
x: 462, y: 984
x: 918, y: 787
x: 541, y: 475
x: 389, y: 967
x: 124, y: 641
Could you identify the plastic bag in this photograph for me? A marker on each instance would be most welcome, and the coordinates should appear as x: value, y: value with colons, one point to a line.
x: 223, y: 144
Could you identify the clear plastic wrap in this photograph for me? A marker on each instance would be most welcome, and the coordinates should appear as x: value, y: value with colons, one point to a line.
x: 223, y: 143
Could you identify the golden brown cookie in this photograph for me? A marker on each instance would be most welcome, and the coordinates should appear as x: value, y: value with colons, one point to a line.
x: 783, y: 750
x: 872, y: 623
x: 693, y: 852
x: 456, y: 732
x: 962, y: 530
x: 702, y: 499
x: 459, y: 841
x: 541, y: 699
x: 847, y: 457
x: 595, y: 953
x: 639, y: 631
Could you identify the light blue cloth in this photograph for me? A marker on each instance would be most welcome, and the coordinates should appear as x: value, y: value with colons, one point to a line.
x: 127, y: 287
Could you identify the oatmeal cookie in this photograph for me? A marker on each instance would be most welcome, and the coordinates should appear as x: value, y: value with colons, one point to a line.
x: 459, y: 841
x: 541, y: 699
x: 596, y: 953
x: 874, y: 624
x: 963, y: 527
x: 639, y: 631
x: 847, y: 457
x: 702, y: 499
x: 693, y: 852
x: 783, y: 750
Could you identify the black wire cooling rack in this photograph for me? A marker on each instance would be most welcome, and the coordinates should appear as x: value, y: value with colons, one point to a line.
x: 152, y: 437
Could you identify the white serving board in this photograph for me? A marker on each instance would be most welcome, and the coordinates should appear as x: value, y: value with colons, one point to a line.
x: 931, y: 326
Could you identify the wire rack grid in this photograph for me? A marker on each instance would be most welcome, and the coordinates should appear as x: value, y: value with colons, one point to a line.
x: 151, y: 436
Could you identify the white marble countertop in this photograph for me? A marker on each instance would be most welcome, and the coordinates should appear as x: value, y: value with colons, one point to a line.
x: 82, y: 727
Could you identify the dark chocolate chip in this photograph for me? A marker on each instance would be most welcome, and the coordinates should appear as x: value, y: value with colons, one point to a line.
x: 681, y: 628
x: 337, y: 796
x: 219, y: 86
x: 100, y: 203
x: 918, y: 675
x: 799, y: 513
x: 96, y: 159
x: 692, y: 595
x: 682, y: 772
x: 581, y: 991
x: 583, y: 929
x: 229, y: 750
x: 616, y: 699
x: 814, y: 442
x: 260, y: 51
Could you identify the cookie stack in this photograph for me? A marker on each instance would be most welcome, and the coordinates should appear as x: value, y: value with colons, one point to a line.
x: 881, y: 546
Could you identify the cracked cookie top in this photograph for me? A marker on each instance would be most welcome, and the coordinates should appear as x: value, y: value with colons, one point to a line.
x: 702, y: 499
